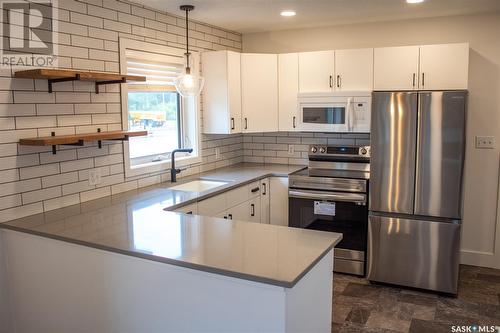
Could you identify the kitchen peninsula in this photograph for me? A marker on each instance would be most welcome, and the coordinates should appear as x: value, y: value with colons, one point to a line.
x: 123, y: 264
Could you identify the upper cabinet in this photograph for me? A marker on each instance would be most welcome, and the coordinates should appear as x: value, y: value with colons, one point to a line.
x: 316, y: 71
x: 222, y: 92
x: 426, y: 67
x: 396, y: 68
x: 444, y: 66
x: 354, y: 70
x: 259, y: 92
x: 288, y: 77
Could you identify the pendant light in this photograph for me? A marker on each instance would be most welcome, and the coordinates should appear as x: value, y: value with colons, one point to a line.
x: 188, y: 84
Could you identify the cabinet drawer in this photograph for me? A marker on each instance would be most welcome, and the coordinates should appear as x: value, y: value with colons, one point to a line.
x: 212, y: 206
x: 237, y: 196
x: 253, y: 189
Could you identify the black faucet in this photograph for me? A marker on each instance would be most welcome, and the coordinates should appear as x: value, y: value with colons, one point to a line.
x: 173, y: 170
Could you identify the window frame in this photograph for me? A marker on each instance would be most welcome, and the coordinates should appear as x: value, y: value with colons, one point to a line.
x: 187, y: 105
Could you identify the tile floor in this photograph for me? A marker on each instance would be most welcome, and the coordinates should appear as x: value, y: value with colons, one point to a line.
x: 359, y: 306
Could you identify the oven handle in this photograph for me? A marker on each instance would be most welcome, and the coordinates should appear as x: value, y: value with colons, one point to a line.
x: 316, y: 195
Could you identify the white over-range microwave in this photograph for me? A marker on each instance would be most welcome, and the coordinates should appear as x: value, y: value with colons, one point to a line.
x: 334, y: 112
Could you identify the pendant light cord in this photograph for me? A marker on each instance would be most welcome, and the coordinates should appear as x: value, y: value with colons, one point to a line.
x: 188, y: 69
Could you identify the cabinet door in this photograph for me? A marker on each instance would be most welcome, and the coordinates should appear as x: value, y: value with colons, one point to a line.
x: 288, y: 77
x: 354, y: 70
x: 396, y: 68
x: 279, y: 201
x: 222, y: 92
x: 264, y: 201
x: 316, y: 70
x: 212, y: 206
x: 444, y: 66
x: 234, y: 91
x: 259, y: 83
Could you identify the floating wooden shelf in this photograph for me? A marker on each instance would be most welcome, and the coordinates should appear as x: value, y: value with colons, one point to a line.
x: 63, y: 75
x: 80, y: 139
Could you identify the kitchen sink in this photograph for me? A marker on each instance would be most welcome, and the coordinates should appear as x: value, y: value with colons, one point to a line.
x: 198, y: 186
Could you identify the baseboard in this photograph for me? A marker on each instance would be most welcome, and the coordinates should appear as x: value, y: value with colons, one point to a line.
x: 478, y: 258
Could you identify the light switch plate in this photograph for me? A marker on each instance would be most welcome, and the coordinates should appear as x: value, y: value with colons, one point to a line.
x: 485, y: 142
x: 94, y: 177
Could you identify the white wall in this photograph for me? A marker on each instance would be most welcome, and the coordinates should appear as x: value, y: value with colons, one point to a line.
x: 480, y: 227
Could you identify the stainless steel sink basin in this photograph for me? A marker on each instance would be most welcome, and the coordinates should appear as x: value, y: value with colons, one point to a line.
x: 198, y: 186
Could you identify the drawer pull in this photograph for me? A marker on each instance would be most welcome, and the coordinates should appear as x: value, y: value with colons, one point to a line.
x: 230, y: 216
x: 265, y: 189
x: 252, y: 206
x: 256, y: 189
x: 190, y: 212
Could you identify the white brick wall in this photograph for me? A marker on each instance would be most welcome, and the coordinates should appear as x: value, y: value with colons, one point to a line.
x: 32, y: 180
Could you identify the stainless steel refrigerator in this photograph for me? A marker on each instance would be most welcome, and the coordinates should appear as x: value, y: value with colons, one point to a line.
x: 417, y: 157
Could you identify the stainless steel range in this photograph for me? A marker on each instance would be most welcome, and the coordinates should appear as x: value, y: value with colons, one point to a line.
x: 332, y: 195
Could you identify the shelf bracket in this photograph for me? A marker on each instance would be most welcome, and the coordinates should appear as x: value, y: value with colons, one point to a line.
x: 63, y: 79
x: 54, y: 147
x: 99, y: 142
x: 100, y: 83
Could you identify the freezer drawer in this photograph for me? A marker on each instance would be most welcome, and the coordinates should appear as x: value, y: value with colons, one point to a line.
x: 414, y: 253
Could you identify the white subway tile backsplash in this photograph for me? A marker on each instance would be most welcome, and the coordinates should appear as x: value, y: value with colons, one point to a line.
x: 12, y: 162
x: 21, y: 211
x: 61, y: 156
x: 40, y: 195
x: 108, y: 159
x: 123, y: 187
x: 32, y: 97
x: 117, y: 26
x: 60, y: 179
x: 90, y: 108
x: 35, y: 122
x: 20, y: 186
x: 7, y: 123
x: 74, y: 120
x: 7, y: 110
x: 143, y: 12
x: 10, y: 201
x: 60, y: 202
x: 77, y: 165
x: 86, y: 20
x: 7, y: 176
x: 95, y: 194
x: 86, y: 64
x: 73, y: 29
x: 102, y: 12
x: 116, y: 5
x: 103, y: 34
x: 9, y: 149
x: 108, y: 118
x: 77, y: 187
x: 103, y: 55
x: 39, y: 171
x: 54, y: 109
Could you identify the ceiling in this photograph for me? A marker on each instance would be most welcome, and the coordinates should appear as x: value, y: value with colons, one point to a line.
x: 248, y: 16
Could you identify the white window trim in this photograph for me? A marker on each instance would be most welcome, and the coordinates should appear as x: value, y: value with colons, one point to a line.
x: 162, y: 166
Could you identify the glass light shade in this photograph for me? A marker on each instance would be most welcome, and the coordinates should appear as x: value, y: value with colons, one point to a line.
x: 189, y: 84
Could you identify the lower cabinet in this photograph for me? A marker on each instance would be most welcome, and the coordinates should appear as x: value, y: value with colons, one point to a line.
x: 264, y: 201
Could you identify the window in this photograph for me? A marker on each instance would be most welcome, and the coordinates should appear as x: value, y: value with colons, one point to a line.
x: 155, y: 106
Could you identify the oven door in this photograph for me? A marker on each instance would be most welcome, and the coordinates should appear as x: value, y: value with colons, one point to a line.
x: 325, y: 117
x: 345, y: 213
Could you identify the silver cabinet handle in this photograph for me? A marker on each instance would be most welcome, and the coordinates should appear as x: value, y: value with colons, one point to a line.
x: 331, y: 81
x: 246, y: 123
x: 293, y: 122
x: 414, y: 77
x: 423, y: 79
x: 265, y: 189
x: 333, y: 196
x: 338, y: 81
x: 232, y: 123
x: 252, y: 206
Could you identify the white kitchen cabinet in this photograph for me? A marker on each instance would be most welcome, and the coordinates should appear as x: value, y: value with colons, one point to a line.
x: 288, y: 77
x: 444, y: 66
x: 222, y: 92
x: 246, y: 211
x: 354, y: 70
x: 265, y: 195
x: 259, y: 92
x: 396, y: 68
x: 278, y: 201
x: 316, y: 71
x: 212, y: 206
x: 188, y: 209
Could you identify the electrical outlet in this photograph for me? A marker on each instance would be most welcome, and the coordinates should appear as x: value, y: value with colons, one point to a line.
x: 485, y: 142
x: 217, y: 153
x: 94, y: 177
x: 291, y: 149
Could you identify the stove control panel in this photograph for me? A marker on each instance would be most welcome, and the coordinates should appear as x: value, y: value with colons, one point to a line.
x: 363, y: 151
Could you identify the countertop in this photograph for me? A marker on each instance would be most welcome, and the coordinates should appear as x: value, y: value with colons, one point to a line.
x: 135, y: 223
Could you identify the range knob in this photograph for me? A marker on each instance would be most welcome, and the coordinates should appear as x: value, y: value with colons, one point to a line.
x: 314, y: 150
x: 322, y: 150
